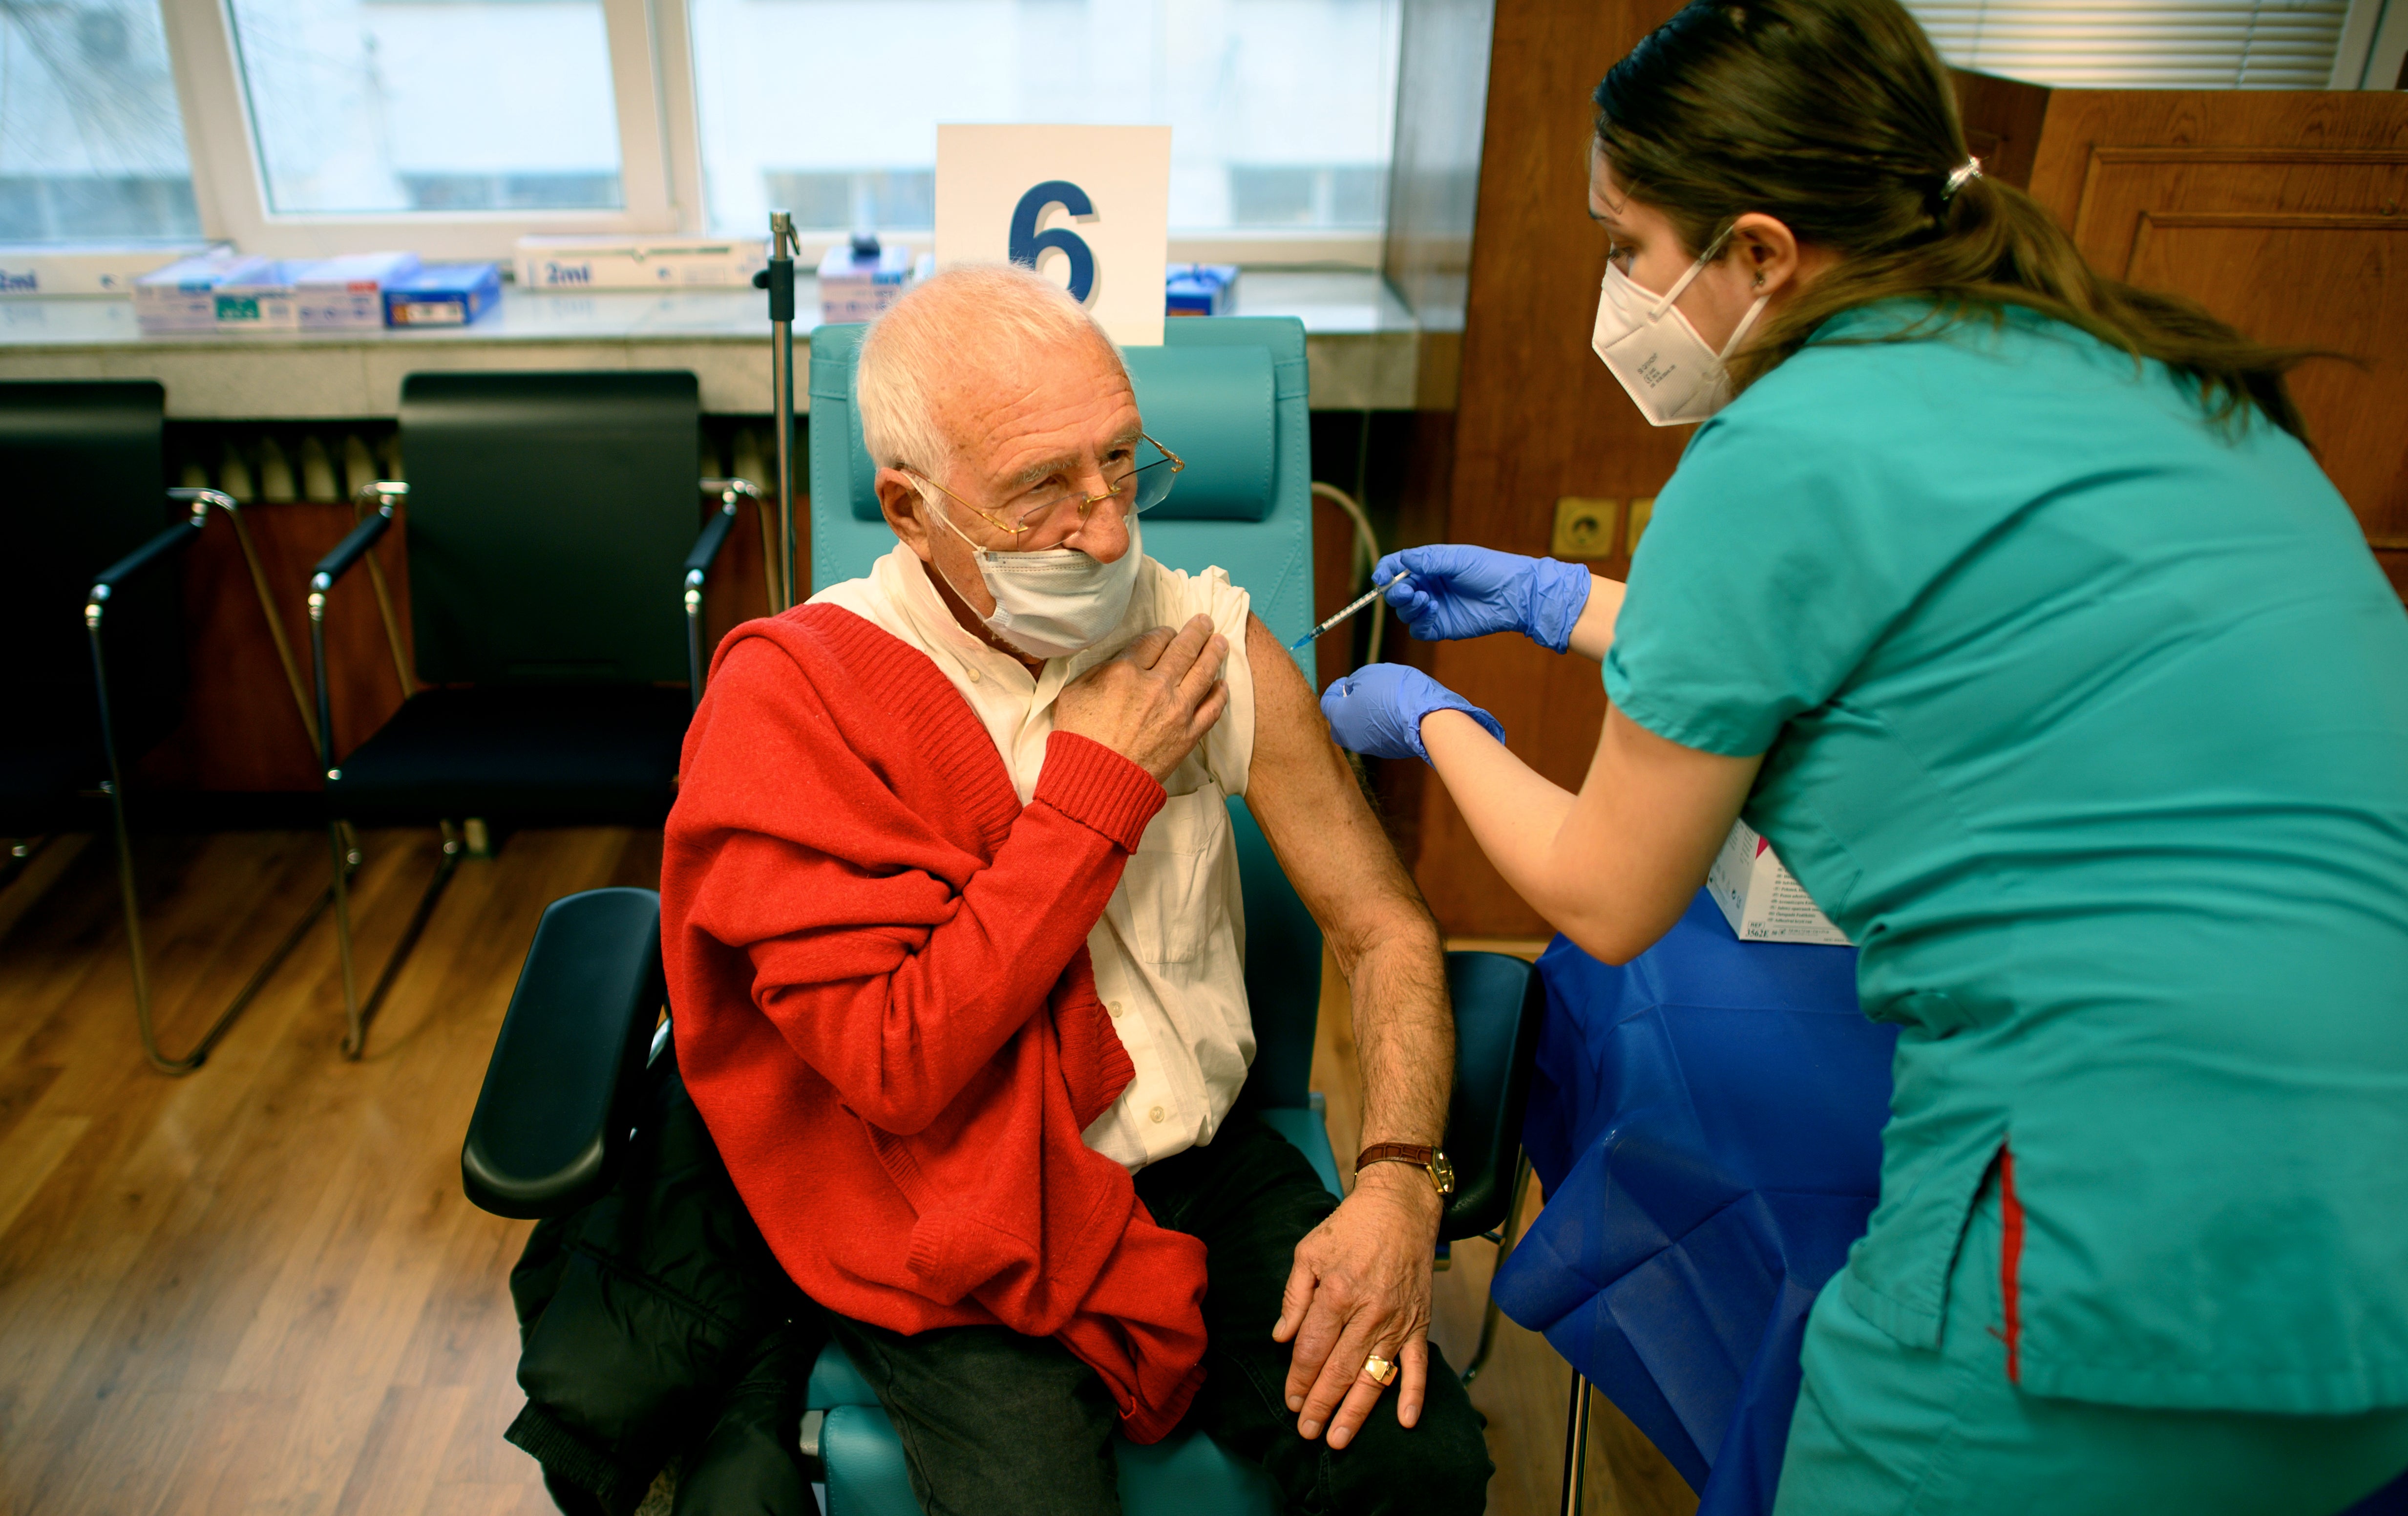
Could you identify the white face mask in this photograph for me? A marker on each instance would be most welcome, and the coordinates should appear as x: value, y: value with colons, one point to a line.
x: 1671, y: 374
x: 1053, y: 603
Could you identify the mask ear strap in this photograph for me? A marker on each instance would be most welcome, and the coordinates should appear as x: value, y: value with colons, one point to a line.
x: 1739, y: 334
x: 1695, y: 270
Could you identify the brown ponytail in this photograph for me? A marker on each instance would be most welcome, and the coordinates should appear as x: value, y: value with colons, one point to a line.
x: 1838, y: 118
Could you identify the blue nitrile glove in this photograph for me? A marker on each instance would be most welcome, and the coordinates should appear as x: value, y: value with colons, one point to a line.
x: 1453, y: 591
x: 1377, y: 711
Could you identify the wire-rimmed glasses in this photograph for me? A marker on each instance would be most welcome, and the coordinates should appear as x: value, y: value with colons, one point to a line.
x: 1143, y: 484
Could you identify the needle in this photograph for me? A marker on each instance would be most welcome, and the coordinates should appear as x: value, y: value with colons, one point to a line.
x: 1376, y: 591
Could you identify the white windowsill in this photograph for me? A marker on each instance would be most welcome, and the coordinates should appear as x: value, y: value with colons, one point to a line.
x: 1359, y: 340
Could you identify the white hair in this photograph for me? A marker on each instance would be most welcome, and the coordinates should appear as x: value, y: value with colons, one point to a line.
x: 967, y: 323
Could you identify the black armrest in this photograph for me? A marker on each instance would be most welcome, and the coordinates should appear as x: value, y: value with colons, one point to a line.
x: 561, y: 1093
x: 1499, y: 1003
x: 350, y: 549
x: 706, y: 546
x: 143, y: 714
x: 706, y: 552
x: 178, y: 536
x: 698, y: 563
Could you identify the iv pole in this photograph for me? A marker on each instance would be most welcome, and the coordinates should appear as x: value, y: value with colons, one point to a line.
x: 779, y: 279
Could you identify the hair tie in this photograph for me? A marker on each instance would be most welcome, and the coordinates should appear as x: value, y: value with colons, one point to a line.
x: 1971, y: 168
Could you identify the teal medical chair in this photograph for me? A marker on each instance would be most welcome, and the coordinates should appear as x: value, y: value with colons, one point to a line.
x: 1225, y: 393
x: 1497, y: 1004
x: 566, y: 1091
x: 1229, y: 395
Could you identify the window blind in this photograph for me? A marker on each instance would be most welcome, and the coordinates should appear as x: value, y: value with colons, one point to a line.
x: 2140, y: 44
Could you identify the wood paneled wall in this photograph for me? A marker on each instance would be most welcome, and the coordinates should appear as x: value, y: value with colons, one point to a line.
x: 2279, y: 211
x: 241, y: 729
x: 1538, y: 418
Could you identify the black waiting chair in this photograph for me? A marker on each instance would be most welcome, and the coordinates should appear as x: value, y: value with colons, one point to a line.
x: 86, y: 470
x: 564, y: 1093
x: 552, y: 546
x: 93, y: 622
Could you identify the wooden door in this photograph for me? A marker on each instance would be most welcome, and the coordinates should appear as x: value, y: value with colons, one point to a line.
x: 2280, y: 212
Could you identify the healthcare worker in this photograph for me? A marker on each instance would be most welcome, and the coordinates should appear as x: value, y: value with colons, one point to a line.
x: 2007, y: 601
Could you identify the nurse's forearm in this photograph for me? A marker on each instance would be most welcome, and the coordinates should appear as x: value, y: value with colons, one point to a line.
x: 1615, y: 866
x: 1514, y: 812
x: 1593, y: 633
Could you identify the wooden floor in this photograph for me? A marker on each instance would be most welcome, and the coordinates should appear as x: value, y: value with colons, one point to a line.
x: 259, y: 1289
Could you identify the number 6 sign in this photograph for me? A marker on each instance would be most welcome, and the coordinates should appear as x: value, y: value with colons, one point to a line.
x: 1027, y: 243
x: 1086, y: 207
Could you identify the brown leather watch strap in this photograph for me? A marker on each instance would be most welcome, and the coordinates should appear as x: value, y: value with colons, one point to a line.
x: 1430, y: 1160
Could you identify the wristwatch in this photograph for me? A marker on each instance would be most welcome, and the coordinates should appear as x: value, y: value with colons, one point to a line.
x: 1430, y: 1160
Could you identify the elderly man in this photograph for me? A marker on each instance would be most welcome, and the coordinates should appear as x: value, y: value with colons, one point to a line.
x: 951, y: 920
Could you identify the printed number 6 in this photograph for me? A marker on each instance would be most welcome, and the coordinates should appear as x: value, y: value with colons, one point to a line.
x: 1028, y: 243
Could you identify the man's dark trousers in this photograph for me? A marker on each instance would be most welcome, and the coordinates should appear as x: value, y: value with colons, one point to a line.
x: 995, y: 1424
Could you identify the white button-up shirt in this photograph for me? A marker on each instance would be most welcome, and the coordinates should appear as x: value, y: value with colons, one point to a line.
x: 1169, y: 952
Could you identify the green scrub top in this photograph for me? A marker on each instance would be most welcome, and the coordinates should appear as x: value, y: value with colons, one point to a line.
x: 2088, y: 721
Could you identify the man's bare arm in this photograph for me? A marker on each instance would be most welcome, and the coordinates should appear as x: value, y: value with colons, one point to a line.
x: 1303, y: 792
x: 1361, y: 1284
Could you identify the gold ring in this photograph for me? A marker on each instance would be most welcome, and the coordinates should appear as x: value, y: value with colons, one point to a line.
x: 1379, y: 1371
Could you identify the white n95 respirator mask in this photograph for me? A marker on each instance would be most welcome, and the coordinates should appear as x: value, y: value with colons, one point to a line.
x: 1671, y: 374
x: 1055, y: 601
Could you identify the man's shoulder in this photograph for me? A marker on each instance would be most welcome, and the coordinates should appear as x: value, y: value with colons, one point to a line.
x: 1178, y: 594
x: 821, y: 682
x: 821, y: 644
x: 861, y: 596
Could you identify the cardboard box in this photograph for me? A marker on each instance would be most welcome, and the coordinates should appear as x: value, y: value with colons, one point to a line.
x: 1199, y: 289
x: 182, y: 297
x: 89, y: 267
x: 261, y: 299
x: 637, y: 263
x: 857, y: 288
x: 1760, y: 899
x: 346, y: 293
x: 443, y: 294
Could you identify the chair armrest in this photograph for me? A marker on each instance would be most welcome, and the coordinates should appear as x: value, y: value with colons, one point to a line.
x: 179, y: 536
x: 708, y: 546
x: 562, y: 1092
x: 1499, y: 1003
x: 730, y: 491
x: 350, y: 549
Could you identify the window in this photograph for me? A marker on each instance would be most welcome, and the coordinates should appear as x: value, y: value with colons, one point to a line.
x: 2169, y: 44
x: 92, y: 145
x: 380, y: 106
x: 454, y: 127
x: 1281, y: 110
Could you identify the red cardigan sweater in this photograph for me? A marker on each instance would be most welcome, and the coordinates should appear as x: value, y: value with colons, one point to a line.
x: 884, y: 1008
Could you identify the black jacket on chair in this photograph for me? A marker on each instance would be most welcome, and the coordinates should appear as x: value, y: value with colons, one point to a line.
x: 655, y: 1324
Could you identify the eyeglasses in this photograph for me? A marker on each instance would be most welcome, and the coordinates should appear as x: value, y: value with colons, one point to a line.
x: 1140, y: 486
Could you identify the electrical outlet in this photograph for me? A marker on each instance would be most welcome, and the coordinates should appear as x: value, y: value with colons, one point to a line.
x: 1584, y: 527
x: 1642, y: 507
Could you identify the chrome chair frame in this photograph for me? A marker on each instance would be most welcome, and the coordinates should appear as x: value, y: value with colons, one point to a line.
x: 1508, y: 1233
x: 1505, y: 1236
x: 167, y: 544
x: 705, y: 553
x: 1575, y: 1478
